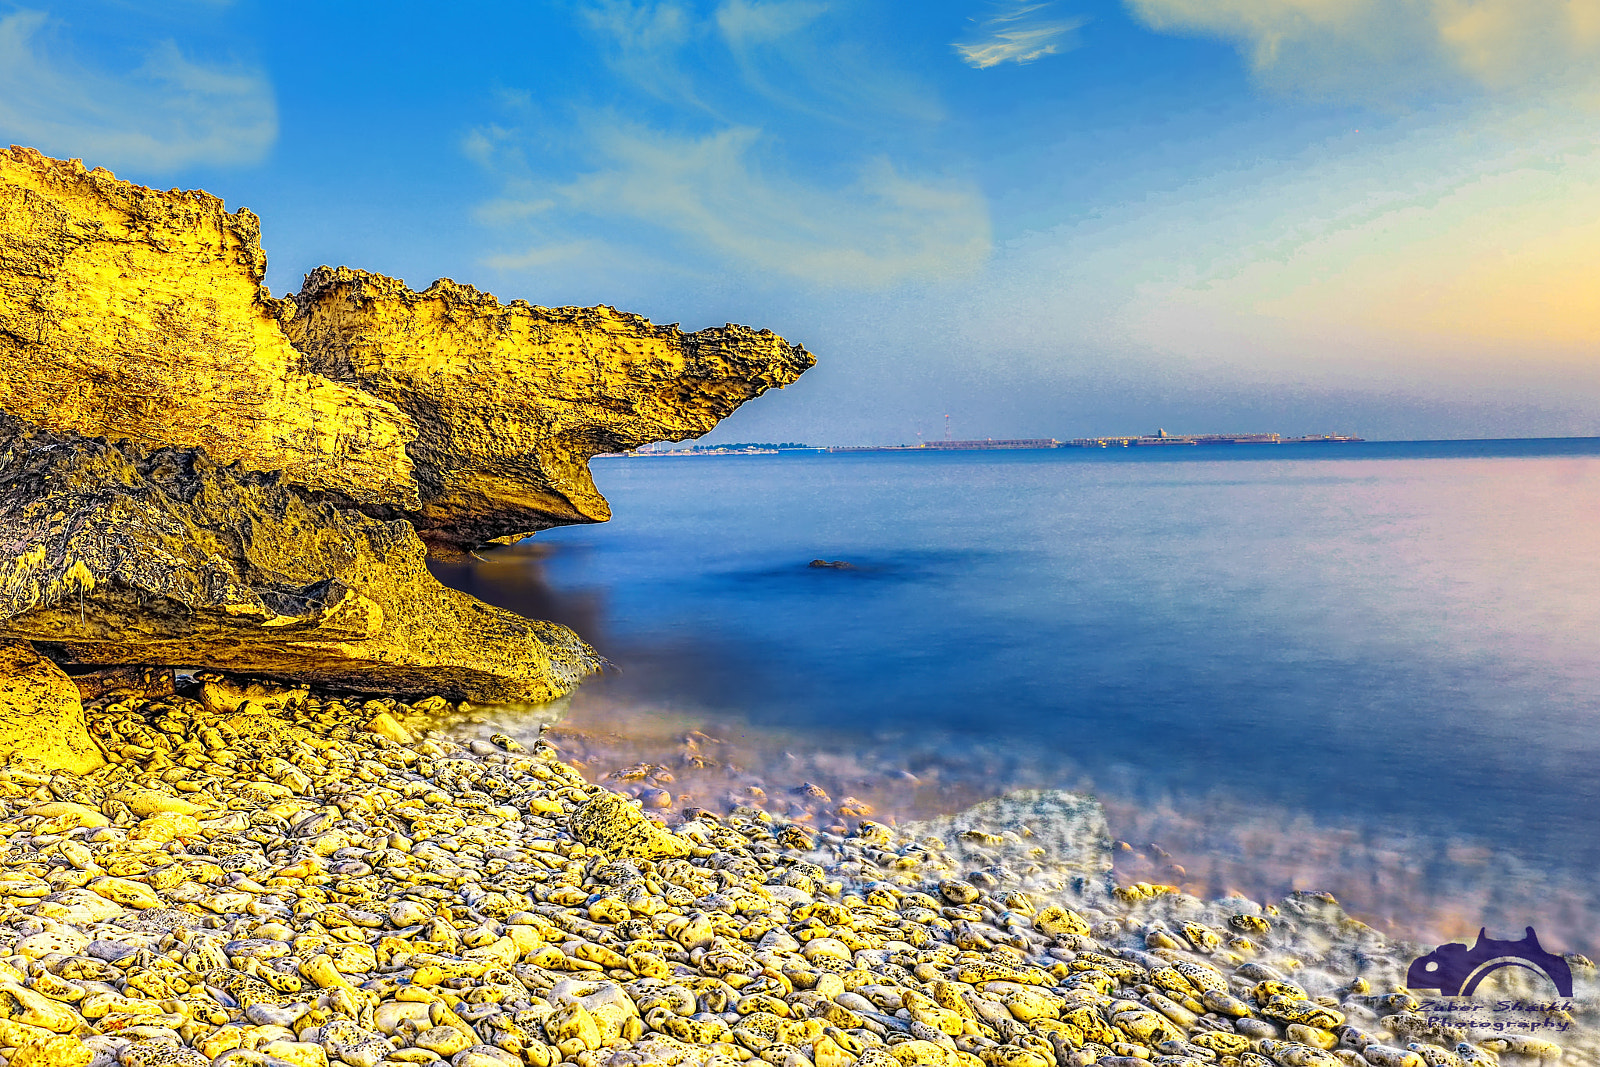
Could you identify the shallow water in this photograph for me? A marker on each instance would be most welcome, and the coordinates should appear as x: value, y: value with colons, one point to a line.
x: 1372, y: 669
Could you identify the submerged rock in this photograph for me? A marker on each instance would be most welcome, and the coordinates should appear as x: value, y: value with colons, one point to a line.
x: 127, y: 556
x: 1065, y: 830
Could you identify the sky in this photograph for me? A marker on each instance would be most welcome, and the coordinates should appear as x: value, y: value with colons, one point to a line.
x: 1042, y: 218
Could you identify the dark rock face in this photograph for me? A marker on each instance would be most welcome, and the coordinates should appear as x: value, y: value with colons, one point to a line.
x: 121, y: 555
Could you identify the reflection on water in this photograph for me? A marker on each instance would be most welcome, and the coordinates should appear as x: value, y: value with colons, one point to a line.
x: 512, y: 578
x: 1375, y: 676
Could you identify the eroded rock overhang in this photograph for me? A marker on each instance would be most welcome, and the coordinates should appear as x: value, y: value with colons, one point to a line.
x: 196, y: 474
x: 134, y: 314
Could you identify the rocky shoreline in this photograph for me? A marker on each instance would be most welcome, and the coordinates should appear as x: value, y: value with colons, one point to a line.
x: 1413, y: 886
x: 212, y: 500
x: 271, y: 876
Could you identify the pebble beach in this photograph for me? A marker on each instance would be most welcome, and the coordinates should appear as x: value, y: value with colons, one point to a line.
x: 281, y: 877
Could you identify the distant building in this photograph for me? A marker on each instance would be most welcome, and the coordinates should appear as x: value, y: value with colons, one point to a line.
x: 1163, y: 439
x: 1028, y: 442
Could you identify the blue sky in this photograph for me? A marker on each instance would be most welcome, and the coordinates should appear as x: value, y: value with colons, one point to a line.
x: 1042, y: 218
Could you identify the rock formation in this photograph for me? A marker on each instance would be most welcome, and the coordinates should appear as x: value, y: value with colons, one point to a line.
x: 195, y: 474
x: 510, y: 401
x: 138, y: 315
x: 127, y: 556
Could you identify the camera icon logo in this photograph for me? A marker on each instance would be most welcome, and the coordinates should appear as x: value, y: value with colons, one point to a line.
x: 1455, y: 970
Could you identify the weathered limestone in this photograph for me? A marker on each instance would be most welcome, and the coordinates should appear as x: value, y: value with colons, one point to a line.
x: 195, y: 474
x: 41, y: 714
x: 136, y: 314
x: 126, y: 556
x: 617, y: 828
x: 511, y: 401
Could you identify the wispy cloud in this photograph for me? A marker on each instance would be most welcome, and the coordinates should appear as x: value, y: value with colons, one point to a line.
x: 1467, y: 226
x: 1020, y: 32
x: 1450, y: 251
x: 798, y: 54
x: 1378, y: 48
x: 545, y: 255
x: 725, y: 195
x: 643, y: 43
x: 786, y: 152
x: 168, y: 113
x: 744, y: 22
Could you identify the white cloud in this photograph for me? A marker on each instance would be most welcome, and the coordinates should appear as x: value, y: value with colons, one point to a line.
x: 547, y: 255
x: 644, y: 40
x: 169, y: 113
x: 641, y: 27
x: 803, y: 55
x: 782, y: 155
x: 1372, y: 49
x: 1466, y: 231
x: 724, y: 196
x: 1020, y: 32
x: 774, y: 45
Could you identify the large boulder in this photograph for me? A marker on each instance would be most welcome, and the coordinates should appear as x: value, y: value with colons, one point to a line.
x: 41, y: 714
x: 124, y: 555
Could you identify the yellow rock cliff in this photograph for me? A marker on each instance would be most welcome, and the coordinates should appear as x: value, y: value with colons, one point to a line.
x: 511, y: 400
x: 136, y: 314
x: 194, y: 474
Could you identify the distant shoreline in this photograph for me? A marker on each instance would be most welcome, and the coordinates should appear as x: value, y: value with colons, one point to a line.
x: 1187, y: 445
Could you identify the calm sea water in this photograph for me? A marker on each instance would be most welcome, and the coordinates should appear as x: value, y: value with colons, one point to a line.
x: 1369, y: 668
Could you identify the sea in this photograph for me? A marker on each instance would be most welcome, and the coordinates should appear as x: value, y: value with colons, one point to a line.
x: 1369, y: 669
